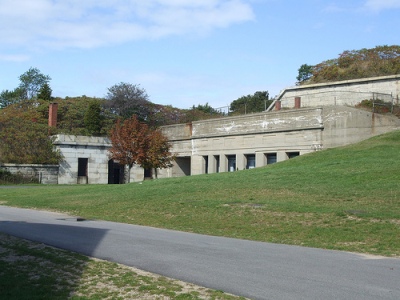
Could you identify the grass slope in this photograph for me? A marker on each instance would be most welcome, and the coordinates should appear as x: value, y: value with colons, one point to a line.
x: 345, y: 198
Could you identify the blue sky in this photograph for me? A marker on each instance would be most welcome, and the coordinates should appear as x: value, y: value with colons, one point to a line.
x: 184, y: 52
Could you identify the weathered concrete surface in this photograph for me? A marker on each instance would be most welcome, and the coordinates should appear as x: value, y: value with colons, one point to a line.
x: 341, y: 93
x: 211, y: 144
x: 347, y: 125
x: 46, y: 174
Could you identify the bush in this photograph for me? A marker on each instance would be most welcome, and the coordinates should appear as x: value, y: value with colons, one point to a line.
x: 376, y: 105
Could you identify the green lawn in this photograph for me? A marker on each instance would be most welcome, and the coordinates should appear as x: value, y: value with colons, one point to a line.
x: 345, y: 198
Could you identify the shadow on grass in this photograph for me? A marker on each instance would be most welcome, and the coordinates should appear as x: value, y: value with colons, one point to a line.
x: 36, y: 271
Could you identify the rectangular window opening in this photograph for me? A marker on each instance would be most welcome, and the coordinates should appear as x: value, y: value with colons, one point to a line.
x: 271, y: 158
x: 231, y: 163
x: 250, y: 161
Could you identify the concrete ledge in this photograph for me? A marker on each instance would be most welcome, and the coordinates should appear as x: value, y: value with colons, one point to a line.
x: 62, y: 139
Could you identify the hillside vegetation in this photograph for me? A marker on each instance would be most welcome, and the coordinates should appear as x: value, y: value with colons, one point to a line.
x: 353, y: 64
x: 345, y: 198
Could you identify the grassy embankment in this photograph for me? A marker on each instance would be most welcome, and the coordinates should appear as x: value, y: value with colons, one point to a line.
x: 346, y: 199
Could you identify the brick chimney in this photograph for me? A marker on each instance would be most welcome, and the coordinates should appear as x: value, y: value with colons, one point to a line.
x: 278, y: 105
x: 53, y: 114
x: 297, y: 102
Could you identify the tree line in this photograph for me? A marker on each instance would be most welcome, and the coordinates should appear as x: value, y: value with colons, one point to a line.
x: 126, y: 115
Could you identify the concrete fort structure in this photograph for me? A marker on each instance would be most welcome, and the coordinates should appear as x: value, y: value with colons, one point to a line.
x: 304, y: 119
x: 249, y: 141
x: 343, y: 93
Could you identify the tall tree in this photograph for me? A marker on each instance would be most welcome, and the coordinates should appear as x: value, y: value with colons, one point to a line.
x: 251, y: 103
x: 31, y: 82
x: 125, y: 100
x: 133, y: 142
x: 45, y: 92
x: 93, y: 118
x: 305, y: 73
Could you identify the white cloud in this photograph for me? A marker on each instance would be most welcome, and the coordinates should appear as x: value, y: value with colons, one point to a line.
x: 92, y: 23
x: 379, y: 5
x: 14, y: 57
x: 333, y: 8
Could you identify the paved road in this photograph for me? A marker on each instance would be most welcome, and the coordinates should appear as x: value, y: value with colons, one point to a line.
x: 251, y: 269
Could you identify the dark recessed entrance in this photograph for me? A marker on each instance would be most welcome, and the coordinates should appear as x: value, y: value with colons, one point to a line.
x: 115, y: 172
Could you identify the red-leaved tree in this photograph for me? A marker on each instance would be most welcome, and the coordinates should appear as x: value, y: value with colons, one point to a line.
x: 135, y: 143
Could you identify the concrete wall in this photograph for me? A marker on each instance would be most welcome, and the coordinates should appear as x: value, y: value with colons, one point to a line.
x: 237, y: 143
x: 347, y: 125
x: 345, y: 93
x: 74, y: 147
x: 45, y: 174
x: 212, y: 145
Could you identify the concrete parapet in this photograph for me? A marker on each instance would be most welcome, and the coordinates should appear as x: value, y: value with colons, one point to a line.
x: 62, y: 139
x: 274, y: 121
x: 178, y: 131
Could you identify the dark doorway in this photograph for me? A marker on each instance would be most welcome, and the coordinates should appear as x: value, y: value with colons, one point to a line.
x: 148, y: 174
x: 182, y: 166
x: 115, y: 173
x: 205, y: 158
x: 216, y: 158
x: 82, y: 166
x: 292, y: 154
x: 83, y: 171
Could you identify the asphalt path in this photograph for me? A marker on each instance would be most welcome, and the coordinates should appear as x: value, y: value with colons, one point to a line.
x: 251, y: 269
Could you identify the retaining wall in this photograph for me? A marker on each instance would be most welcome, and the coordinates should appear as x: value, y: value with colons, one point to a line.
x: 46, y: 174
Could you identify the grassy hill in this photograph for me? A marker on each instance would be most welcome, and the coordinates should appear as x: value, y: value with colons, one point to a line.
x: 346, y: 198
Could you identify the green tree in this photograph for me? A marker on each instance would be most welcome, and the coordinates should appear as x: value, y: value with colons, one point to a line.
x: 206, y: 108
x: 125, y: 100
x: 251, y: 103
x: 93, y: 118
x: 45, y: 92
x: 10, y: 97
x: 305, y: 73
x: 31, y: 82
